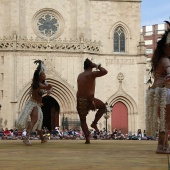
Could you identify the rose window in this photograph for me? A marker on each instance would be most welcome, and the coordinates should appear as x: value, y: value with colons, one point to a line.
x: 48, y: 24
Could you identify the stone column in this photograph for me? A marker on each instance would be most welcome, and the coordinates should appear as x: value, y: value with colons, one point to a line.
x: 73, y: 19
x: 11, y: 17
x: 22, y: 19
x: 83, y: 19
x: 141, y: 64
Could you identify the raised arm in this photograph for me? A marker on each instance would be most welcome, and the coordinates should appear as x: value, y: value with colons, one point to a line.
x: 166, y: 66
x: 45, y: 87
x: 101, y: 70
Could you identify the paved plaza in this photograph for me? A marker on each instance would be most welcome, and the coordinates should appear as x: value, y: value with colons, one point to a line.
x: 75, y: 155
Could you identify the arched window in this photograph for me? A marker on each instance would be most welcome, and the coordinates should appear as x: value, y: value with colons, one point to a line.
x: 119, y: 40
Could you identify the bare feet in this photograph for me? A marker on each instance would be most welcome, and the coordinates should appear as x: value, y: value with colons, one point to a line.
x: 162, y: 150
x: 94, y: 126
x: 27, y: 142
x: 44, y: 140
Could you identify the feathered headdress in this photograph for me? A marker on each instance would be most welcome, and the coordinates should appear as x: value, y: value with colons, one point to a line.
x: 168, y: 35
x: 40, y: 67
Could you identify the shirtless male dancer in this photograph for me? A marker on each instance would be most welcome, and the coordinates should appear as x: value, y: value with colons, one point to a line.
x: 85, y: 96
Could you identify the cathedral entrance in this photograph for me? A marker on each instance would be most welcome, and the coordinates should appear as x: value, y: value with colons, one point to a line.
x: 50, y: 111
x: 120, y: 117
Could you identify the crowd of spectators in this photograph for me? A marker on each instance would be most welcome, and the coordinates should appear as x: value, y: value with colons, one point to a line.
x: 57, y: 133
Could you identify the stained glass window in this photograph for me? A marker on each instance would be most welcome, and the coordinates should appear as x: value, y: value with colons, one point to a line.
x: 119, y: 40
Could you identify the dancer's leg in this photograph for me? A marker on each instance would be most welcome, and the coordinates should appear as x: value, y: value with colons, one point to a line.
x: 30, y: 125
x: 44, y: 139
x: 34, y: 119
x: 26, y: 140
x: 85, y: 128
x: 83, y: 109
x: 163, y: 146
x: 101, y: 110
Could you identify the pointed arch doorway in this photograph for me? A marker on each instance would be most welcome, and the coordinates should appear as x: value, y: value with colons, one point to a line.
x: 119, y: 118
x: 50, y: 111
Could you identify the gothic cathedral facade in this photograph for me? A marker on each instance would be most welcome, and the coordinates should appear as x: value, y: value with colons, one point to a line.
x: 63, y: 33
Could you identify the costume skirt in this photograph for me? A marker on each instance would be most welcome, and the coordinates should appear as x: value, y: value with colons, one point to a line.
x: 24, y: 116
x: 83, y: 106
x: 156, y: 101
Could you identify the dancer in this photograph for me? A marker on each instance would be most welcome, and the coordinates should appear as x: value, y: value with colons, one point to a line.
x: 158, y: 95
x: 31, y: 116
x: 85, y: 96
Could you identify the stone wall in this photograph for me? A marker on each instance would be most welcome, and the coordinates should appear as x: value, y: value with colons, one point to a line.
x: 86, y: 32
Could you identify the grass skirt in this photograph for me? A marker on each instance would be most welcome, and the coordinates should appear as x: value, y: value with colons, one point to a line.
x: 156, y: 100
x: 24, y: 116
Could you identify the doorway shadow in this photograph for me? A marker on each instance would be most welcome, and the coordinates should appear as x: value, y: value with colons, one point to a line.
x: 51, y: 110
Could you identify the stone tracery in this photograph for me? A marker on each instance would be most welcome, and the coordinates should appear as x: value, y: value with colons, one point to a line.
x: 23, y: 44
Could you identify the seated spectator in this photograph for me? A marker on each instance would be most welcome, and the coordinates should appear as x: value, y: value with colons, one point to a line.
x: 104, y: 133
x: 134, y: 137
x: 114, y: 136
x: 58, y: 132
x: 95, y: 134
x: 139, y: 134
x: 120, y: 132
x: 24, y: 133
x: 1, y: 133
x: 108, y: 134
x: 75, y: 133
x: 15, y: 132
x: 144, y: 133
x: 12, y: 133
x: 130, y: 135
x: 65, y: 134
x: 70, y: 133
x: 121, y: 137
x: 19, y: 134
x: 7, y: 133
x: 80, y: 134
